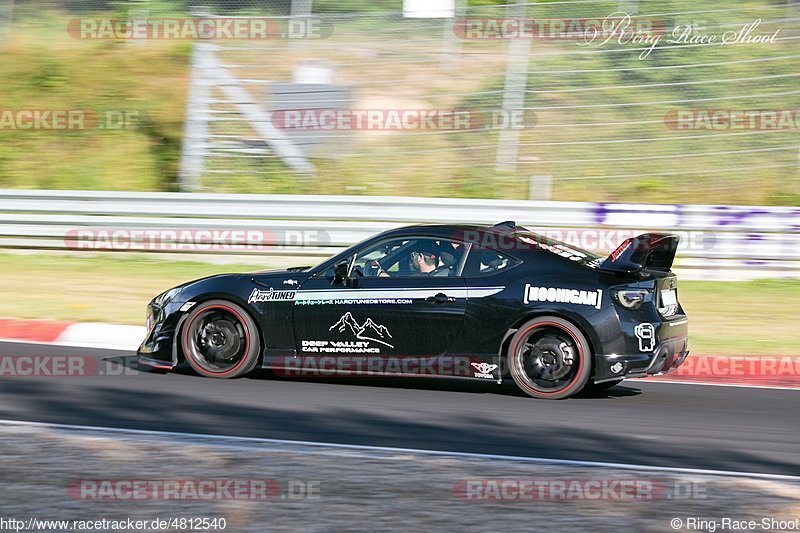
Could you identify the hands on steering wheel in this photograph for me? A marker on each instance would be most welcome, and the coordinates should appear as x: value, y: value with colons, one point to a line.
x: 375, y: 269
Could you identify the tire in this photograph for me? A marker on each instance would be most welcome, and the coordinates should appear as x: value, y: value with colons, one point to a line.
x: 549, y: 358
x: 220, y: 340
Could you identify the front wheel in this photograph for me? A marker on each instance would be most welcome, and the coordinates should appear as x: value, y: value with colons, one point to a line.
x: 220, y: 340
x: 549, y: 358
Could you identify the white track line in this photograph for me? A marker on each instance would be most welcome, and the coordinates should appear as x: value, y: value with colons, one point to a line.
x: 230, y: 441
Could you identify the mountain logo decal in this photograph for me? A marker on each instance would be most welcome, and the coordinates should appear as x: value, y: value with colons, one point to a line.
x: 368, y: 331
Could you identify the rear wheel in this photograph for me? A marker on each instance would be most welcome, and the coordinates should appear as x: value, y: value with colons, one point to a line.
x: 220, y: 340
x: 549, y: 358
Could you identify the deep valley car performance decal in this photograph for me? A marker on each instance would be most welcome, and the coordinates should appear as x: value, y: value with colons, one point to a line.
x: 369, y: 330
x: 569, y: 296
x: 365, y: 333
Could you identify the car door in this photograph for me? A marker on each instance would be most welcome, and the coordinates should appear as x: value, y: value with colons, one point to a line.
x: 383, y: 308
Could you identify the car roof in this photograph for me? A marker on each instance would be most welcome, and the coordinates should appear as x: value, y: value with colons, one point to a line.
x: 498, y: 236
x: 448, y: 230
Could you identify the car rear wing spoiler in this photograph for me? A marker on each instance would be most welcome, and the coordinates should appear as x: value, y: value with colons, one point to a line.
x: 651, y: 251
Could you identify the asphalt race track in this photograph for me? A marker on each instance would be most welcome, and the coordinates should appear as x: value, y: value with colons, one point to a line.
x: 691, y: 426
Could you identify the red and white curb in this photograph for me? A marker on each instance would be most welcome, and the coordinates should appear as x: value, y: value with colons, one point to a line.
x: 80, y: 335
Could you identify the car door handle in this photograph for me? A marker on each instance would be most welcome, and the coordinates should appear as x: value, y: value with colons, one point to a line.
x: 440, y: 298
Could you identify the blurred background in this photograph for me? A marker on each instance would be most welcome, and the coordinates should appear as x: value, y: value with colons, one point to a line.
x: 595, y: 144
x: 594, y: 115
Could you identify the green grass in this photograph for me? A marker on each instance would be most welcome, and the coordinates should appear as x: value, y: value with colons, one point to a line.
x: 726, y: 318
x: 754, y: 317
x: 43, y: 68
x: 94, y: 289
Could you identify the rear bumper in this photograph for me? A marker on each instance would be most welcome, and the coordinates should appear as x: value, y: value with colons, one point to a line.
x: 665, y: 358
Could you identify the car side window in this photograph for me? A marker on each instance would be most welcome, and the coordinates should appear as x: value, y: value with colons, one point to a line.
x: 410, y: 257
x: 375, y: 260
x: 484, y: 262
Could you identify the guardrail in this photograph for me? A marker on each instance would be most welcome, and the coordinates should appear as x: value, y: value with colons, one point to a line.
x: 718, y: 242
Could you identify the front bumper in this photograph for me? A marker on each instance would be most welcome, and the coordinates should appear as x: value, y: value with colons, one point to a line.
x: 159, y: 348
x: 665, y: 358
x: 156, y: 363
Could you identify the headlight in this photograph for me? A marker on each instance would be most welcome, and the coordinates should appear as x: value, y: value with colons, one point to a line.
x: 151, y: 321
x: 633, y: 298
x: 164, y: 298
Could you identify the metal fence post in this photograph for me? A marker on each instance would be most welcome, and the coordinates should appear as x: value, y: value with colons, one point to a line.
x: 6, y: 20
x: 451, y: 43
x: 300, y: 11
x: 513, y: 97
x: 541, y: 188
x: 195, y: 132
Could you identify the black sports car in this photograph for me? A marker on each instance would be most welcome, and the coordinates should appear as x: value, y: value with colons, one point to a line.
x: 478, y: 302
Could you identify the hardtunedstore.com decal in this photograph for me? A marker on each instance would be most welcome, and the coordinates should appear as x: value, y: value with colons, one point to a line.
x: 569, y: 296
x: 646, y: 334
x: 270, y: 295
x: 365, y: 334
x: 354, y: 301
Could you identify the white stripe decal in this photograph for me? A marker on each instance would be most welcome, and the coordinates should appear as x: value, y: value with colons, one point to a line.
x: 403, y: 289
x: 364, y: 294
x: 483, y: 292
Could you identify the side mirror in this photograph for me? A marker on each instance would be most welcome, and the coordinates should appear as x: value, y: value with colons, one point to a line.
x: 340, y: 272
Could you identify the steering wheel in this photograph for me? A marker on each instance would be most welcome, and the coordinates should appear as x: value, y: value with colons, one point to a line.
x: 373, y: 269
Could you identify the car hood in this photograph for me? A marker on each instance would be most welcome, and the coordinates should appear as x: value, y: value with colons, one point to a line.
x: 279, y: 271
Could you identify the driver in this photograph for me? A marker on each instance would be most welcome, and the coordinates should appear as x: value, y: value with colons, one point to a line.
x: 424, y: 257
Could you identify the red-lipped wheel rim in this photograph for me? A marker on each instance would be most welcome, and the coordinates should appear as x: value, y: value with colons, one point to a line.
x: 217, y: 339
x: 547, y: 359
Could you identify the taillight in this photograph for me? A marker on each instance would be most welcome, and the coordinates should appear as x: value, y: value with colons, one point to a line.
x: 633, y: 298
